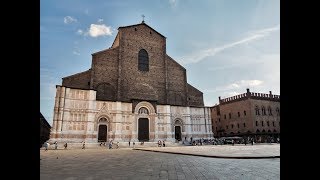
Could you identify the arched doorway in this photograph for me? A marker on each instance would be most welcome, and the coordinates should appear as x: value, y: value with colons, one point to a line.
x: 177, y: 133
x: 143, y: 129
x: 102, y: 133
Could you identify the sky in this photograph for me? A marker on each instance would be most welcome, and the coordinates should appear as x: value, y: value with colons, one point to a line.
x: 226, y: 46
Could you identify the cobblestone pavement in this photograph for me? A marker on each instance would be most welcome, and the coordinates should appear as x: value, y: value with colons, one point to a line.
x: 90, y: 164
x: 261, y: 150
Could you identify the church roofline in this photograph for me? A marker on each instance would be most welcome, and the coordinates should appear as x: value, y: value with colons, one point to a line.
x: 176, y: 62
x: 75, y: 87
x: 195, y: 88
x: 139, y: 25
x: 44, y: 120
x: 115, y: 39
x: 77, y: 73
x: 111, y: 48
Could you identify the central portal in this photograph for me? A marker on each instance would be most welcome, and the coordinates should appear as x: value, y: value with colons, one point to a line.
x: 177, y: 133
x: 143, y: 129
x: 102, y: 135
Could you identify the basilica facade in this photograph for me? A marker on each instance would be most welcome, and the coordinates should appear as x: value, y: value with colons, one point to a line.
x: 133, y: 91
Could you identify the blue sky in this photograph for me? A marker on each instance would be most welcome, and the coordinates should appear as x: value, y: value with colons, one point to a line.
x: 225, y: 45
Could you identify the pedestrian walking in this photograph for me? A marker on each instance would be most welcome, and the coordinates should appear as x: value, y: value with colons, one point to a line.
x: 56, y: 145
x: 164, y: 144
x: 84, y: 145
x: 65, y: 146
x: 133, y: 144
x: 46, y: 145
x: 129, y: 143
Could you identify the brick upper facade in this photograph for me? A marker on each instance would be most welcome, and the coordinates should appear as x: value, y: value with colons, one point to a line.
x: 115, y: 76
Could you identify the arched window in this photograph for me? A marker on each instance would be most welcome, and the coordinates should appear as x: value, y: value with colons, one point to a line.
x: 257, y: 110
x: 278, y: 111
x: 263, y: 111
x: 143, y: 110
x: 143, y: 60
x: 270, y: 111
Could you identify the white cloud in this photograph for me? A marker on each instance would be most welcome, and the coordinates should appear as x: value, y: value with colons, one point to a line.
x: 76, y: 53
x: 208, y: 102
x: 69, y: 19
x: 96, y: 30
x: 100, y: 20
x: 233, y: 93
x: 200, y: 55
x: 80, y: 32
x: 173, y: 3
x: 99, y: 30
x: 238, y: 85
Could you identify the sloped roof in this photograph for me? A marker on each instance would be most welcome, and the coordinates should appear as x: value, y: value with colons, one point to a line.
x: 142, y: 23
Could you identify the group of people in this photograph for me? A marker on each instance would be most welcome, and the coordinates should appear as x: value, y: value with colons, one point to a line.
x: 161, y: 143
x: 47, y: 144
x: 110, y: 145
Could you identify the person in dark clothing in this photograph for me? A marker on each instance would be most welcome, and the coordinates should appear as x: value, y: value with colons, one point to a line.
x: 65, y: 146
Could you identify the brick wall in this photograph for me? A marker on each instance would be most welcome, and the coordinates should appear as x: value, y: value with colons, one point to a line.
x: 149, y: 85
x: 79, y: 80
x: 272, y: 119
x: 176, y: 83
x: 195, y: 97
x: 105, y: 73
x: 249, y: 118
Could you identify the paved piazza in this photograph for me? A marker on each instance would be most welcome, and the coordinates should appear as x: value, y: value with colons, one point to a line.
x: 259, y: 150
x: 125, y: 163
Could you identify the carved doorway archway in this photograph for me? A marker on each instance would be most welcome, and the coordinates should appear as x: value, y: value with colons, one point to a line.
x: 103, y: 129
x: 102, y: 133
x: 177, y: 133
x: 143, y: 129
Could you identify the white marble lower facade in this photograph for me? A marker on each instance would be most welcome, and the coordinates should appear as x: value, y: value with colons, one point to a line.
x: 78, y: 117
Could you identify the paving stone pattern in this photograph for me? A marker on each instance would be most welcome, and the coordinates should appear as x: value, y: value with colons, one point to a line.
x: 102, y: 163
